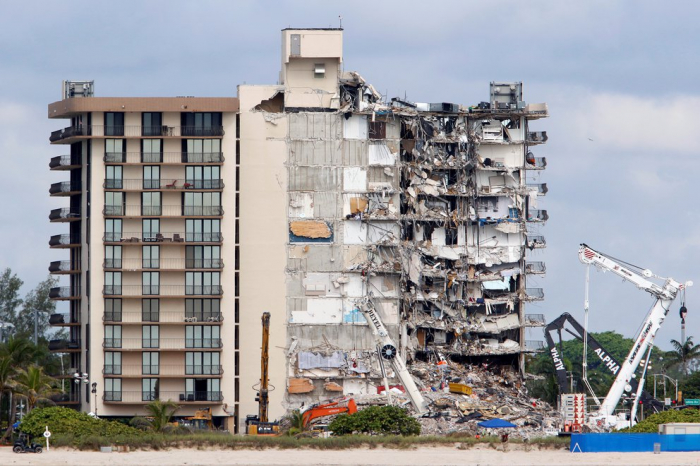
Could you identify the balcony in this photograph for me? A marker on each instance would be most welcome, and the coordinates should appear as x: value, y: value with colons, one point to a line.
x: 535, y: 163
x: 64, y: 346
x: 540, y: 188
x: 65, y: 162
x: 535, y: 242
x: 170, y: 184
x: 63, y: 293
x: 534, y: 320
x: 534, y: 346
x: 175, y: 370
x: 164, y: 264
x: 63, y: 268
x: 162, y: 211
x: 534, y: 294
x: 64, y: 215
x: 64, y: 188
x: 537, y: 215
x: 535, y: 268
x: 537, y: 137
x: 163, y: 317
x: 165, y: 237
x: 150, y: 344
x: 61, y: 320
x: 72, y: 398
x: 140, y: 397
x: 138, y: 291
x: 71, y: 133
x: 167, y: 158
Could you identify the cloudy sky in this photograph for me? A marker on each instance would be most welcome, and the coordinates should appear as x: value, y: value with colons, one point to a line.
x: 619, y: 78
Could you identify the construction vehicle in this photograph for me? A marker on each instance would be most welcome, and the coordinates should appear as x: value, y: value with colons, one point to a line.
x: 201, y: 420
x: 329, y: 409
x: 665, y: 294
x: 387, y: 351
x: 260, y: 424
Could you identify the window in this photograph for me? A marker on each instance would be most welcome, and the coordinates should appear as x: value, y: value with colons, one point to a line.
x: 151, y: 177
x: 114, y: 203
x: 151, y: 151
x: 113, y: 257
x: 150, y: 257
x: 151, y: 124
x: 377, y: 130
x: 149, y: 389
x: 319, y: 70
x: 150, y: 336
x: 113, y: 283
x: 113, y: 389
x: 113, y: 363
x: 113, y: 310
x: 115, y: 150
x: 202, y: 204
x: 114, y: 177
x: 114, y: 124
x: 202, y: 363
x: 150, y: 310
x: 113, y: 230
x: 203, y: 257
x: 113, y: 336
x: 203, y: 177
x: 150, y: 282
x: 203, y: 310
x: 150, y: 204
x: 150, y: 363
x: 204, y: 283
x: 201, y: 124
x: 150, y: 228
x: 203, y: 230
x: 202, y: 151
x: 202, y: 336
x: 202, y: 390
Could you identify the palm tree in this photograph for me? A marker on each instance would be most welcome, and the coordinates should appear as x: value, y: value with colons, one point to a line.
x: 19, y: 352
x: 160, y: 413
x: 682, y: 354
x: 6, y: 376
x: 34, y: 385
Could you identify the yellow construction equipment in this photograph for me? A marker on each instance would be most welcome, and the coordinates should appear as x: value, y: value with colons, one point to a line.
x: 201, y: 420
x: 260, y: 425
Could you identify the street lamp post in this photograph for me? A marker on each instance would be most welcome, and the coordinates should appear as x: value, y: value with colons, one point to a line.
x: 94, y: 392
x: 81, y: 377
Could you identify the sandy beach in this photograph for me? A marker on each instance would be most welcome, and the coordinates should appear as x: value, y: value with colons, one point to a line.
x: 443, y: 456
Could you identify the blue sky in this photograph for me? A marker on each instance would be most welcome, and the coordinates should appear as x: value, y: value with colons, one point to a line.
x: 620, y: 79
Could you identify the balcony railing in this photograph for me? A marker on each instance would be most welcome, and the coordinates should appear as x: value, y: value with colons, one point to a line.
x: 163, y: 290
x: 163, y: 343
x: 148, y: 396
x: 63, y: 267
x: 65, y: 398
x: 64, y: 292
x: 64, y: 215
x: 536, y: 163
x: 163, y: 157
x: 165, y: 237
x: 162, y: 211
x: 534, y: 294
x: 537, y: 216
x: 541, y: 188
x: 535, y: 242
x: 534, y: 319
x: 535, y: 268
x: 64, y: 187
x: 136, y: 131
x: 64, y: 162
x: 163, y: 317
x: 64, y: 345
x: 168, y: 370
x: 177, y: 184
x: 165, y: 263
x: 534, y: 345
x: 537, y: 137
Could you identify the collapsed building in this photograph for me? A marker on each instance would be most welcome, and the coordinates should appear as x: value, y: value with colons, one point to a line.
x: 430, y: 210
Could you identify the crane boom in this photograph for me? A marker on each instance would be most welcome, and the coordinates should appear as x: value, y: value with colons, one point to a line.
x: 645, y: 338
x: 389, y: 352
x: 264, y: 369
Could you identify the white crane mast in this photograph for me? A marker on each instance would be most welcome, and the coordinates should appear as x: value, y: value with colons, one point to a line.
x: 664, y: 298
x: 389, y: 352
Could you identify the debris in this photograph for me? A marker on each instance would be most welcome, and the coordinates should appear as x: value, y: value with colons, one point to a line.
x: 300, y: 385
x: 310, y: 229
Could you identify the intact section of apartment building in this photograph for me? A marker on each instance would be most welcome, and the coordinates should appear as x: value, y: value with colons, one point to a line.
x: 426, y: 209
x: 149, y: 234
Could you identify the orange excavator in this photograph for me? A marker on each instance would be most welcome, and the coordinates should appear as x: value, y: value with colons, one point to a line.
x: 329, y: 409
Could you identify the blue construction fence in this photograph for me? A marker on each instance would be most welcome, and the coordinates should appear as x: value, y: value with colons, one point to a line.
x: 595, y: 443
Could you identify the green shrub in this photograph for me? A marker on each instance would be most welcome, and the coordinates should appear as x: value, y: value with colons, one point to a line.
x: 68, y: 421
x: 651, y: 423
x: 376, y: 420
